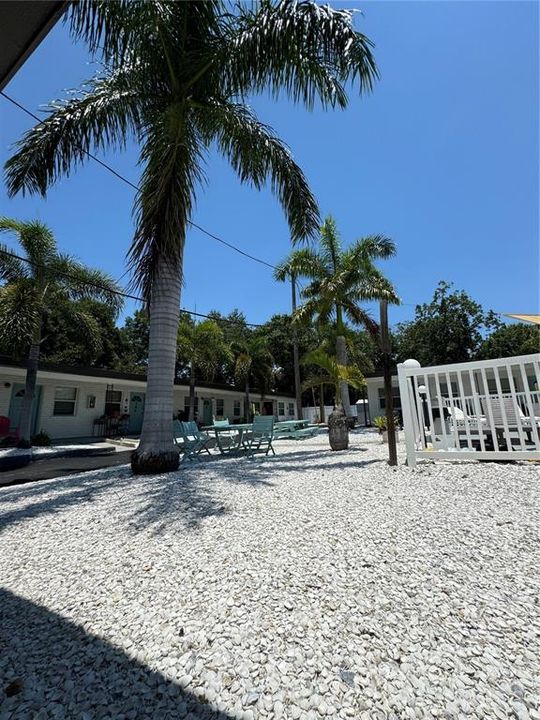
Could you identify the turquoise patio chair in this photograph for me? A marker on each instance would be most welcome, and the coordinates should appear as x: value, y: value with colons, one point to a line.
x: 192, y: 441
x: 261, y: 437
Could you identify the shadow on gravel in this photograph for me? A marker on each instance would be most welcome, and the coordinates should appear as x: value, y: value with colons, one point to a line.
x: 184, y: 498
x: 49, y: 664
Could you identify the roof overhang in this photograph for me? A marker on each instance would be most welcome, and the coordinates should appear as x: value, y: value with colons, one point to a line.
x: 534, y: 319
x: 23, y: 25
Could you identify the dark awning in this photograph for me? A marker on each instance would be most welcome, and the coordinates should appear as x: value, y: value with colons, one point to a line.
x: 23, y: 25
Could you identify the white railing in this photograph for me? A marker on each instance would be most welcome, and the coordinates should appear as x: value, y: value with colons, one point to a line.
x: 490, y: 408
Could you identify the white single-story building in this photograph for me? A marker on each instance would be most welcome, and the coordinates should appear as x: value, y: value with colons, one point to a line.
x: 83, y: 402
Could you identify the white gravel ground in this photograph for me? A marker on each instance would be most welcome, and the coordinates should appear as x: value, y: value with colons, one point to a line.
x: 313, y: 584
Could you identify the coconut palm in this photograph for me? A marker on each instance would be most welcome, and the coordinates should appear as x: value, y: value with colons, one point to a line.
x: 47, y: 280
x: 340, y: 280
x: 254, y: 365
x: 204, y: 347
x: 176, y: 79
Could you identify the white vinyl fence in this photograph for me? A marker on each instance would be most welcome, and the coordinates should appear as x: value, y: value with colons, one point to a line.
x: 489, y: 409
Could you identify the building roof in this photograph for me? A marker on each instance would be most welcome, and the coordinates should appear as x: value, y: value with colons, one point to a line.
x: 92, y: 372
x: 535, y: 319
x: 23, y: 25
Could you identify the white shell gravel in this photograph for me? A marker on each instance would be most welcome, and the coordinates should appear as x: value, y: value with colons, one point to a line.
x: 306, y: 586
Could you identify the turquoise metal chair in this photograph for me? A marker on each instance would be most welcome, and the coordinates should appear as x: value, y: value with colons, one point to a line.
x: 261, y: 437
x: 190, y: 439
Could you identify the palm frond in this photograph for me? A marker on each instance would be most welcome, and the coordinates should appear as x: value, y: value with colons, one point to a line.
x: 358, y: 316
x: 173, y: 169
x: 80, y: 282
x: 370, y: 248
x: 107, y: 112
x: 303, y: 49
x: 258, y: 155
x: 11, y: 268
x: 35, y: 238
x: 20, y: 310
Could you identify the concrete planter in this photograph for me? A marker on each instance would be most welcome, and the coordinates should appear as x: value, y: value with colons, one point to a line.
x: 338, y: 431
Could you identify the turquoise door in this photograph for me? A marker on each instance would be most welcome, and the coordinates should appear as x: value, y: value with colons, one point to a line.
x: 136, y: 412
x: 207, y: 417
x: 15, y: 407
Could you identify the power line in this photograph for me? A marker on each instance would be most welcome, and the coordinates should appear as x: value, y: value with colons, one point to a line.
x: 136, y: 187
x: 120, y: 293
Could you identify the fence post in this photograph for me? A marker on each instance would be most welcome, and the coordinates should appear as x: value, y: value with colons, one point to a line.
x: 408, y: 424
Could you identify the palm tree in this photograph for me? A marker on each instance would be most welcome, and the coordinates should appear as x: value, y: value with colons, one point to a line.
x: 284, y: 272
x: 340, y: 280
x: 254, y: 364
x: 333, y: 373
x: 42, y: 280
x: 203, y: 346
x: 176, y: 79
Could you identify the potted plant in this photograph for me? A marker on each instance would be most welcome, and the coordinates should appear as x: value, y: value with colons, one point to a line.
x: 334, y: 374
x: 381, y: 425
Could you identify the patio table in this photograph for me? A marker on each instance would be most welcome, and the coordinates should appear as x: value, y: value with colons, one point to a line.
x: 295, y: 429
x: 239, y: 430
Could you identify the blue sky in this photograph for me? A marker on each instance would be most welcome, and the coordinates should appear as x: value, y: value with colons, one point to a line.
x: 442, y: 157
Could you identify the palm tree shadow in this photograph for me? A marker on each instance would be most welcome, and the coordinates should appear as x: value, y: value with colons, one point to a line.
x: 155, y: 501
x: 49, y: 662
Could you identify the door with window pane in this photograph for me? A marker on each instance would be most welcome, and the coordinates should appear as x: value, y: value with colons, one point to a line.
x: 136, y: 412
x: 15, y: 407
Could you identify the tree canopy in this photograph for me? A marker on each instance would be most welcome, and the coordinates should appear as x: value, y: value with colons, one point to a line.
x: 449, y: 329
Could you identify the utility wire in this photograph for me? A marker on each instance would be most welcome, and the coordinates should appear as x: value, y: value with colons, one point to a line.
x: 120, y: 293
x: 135, y: 187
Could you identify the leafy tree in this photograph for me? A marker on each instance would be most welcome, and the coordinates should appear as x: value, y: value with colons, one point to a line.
x: 135, y: 338
x: 203, y: 347
x: 236, y: 331
x: 64, y: 343
x: 449, y: 329
x: 510, y: 340
x: 253, y: 366
x: 49, y: 279
x: 279, y: 336
x: 340, y: 280
x: 175, y: 78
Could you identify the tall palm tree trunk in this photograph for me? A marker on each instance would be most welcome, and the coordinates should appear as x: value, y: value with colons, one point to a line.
x: 156, y: 452
x: 296, y: 359
x: 247, y: 404
x: 321, y: 403
x: 191, y: 391
x: 342, y: 358
x: 25, y: 424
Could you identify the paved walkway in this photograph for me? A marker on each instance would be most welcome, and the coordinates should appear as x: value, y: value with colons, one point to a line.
x: 59, y: 466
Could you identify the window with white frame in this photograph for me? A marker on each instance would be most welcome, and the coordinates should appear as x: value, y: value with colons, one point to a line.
x: 64, y: 400
x: 237, y: 408
x: 220, y: 407
x: 281, y: 408
x: 257, y: 407
x: 291, y: 409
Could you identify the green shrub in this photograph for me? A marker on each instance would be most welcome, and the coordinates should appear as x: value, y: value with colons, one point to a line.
x: 42, y: 439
